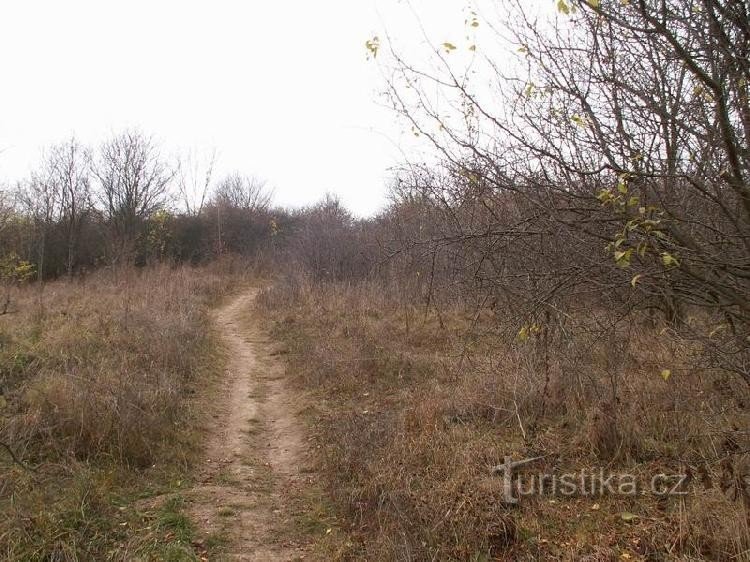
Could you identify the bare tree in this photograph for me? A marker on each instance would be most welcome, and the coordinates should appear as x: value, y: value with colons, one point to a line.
x: 195, y: 174
x: 328, y: 243
x: 39, y: 197
x: 69, y: 170
x: 242, y: 192
x: 133, y: 183
x: 6, y: 210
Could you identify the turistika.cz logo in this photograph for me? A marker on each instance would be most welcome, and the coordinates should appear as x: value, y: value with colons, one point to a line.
x: 588, y: 482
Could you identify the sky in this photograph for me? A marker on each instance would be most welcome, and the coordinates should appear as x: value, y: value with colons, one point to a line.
x: 281, y: 89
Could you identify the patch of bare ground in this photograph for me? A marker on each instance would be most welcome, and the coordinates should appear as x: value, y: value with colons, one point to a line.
x: 249, y: 491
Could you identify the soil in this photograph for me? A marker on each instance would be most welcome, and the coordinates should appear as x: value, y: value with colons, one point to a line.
x: 249, y: 487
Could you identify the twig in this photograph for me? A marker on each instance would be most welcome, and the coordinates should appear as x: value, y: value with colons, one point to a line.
x: 15, y: 459
x: 520, y: 423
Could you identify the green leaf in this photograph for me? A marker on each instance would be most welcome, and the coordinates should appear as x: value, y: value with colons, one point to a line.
x: 627, y: 516
x: 594, y: 3
x: 665, y: 374
x: 449, y: 47
x: 562, y: 7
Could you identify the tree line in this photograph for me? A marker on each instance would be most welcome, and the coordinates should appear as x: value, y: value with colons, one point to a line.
x: 125, y: 203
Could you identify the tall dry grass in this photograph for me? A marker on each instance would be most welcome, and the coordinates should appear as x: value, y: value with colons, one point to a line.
x: 414, y: 407
x: 97, y: 377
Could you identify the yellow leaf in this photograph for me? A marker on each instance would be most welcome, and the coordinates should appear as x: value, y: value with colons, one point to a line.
x: 665, y: 374
x: 449, y: 47
x: 622, y: 258
x: 562, y: 7
x: 579, y: 120
x: 669, y: 260
x: 634, y: 280
x: 373, y: 45
x: 523, y: 333
x: 627, y: 516
x: 594, y: 3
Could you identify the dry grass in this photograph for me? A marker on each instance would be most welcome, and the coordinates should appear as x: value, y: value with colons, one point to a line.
x: 97, y: 377
x: 415, y: 408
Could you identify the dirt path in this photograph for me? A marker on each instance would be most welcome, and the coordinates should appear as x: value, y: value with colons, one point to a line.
x: 254, y: 472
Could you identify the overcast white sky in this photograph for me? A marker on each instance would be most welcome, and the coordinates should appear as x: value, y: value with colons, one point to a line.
x: 281, y: 88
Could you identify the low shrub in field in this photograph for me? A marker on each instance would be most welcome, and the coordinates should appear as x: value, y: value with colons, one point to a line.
x: 413, y: 408
x: 96, y: 376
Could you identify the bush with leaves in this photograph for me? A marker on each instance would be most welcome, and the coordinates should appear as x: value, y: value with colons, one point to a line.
x: 13, y: 272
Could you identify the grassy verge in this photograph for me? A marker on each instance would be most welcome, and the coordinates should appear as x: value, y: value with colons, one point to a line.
x: 98, y: 379
x: 413, y: 409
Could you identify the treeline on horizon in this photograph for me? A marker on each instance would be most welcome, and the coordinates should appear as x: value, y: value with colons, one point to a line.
x: 124, y: 204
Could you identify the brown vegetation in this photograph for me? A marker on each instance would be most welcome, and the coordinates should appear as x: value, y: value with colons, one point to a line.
x: 569, y: 280
x: 415, y: 408
x: 96, y: 378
